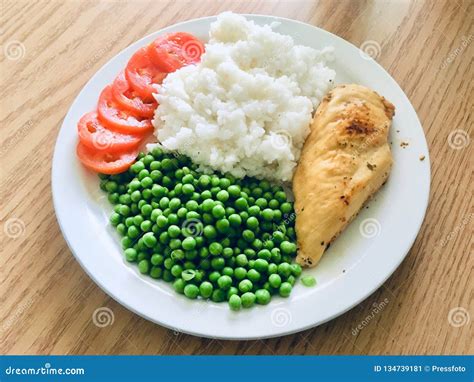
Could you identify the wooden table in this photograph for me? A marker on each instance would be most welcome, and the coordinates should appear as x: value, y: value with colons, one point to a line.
x: 51, y: 49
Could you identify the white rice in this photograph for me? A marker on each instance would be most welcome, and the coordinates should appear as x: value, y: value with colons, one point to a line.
x: 246, y: 108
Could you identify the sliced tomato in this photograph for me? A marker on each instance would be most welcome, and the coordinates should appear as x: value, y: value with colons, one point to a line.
x: 117, y: 119
x: 105, y: 162
x: 130, y: 100
x: 95, y: 135
x: 175, y: 50
x: 141, y: 74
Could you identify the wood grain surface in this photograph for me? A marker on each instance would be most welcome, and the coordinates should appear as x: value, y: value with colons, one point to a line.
x: 50, y: 49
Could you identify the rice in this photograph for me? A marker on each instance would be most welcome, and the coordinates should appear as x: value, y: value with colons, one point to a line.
x: 246, y: 108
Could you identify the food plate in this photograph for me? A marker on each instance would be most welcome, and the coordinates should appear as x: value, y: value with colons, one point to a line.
x: 355, y: 265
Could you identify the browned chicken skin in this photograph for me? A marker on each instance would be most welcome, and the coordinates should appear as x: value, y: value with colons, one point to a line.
x: 345, y: 160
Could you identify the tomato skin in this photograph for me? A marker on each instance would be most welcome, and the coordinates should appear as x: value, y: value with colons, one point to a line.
x: 129, y: 99
x: 94, y: 135
x: 105, y: 162
x: 116, y: 119
x: 175, y: 50
x: 141, y: 74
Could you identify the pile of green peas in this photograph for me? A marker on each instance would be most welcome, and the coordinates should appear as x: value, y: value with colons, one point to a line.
x: 211, y: 235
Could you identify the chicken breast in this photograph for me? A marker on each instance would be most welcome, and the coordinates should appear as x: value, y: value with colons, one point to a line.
x: 345, y: 160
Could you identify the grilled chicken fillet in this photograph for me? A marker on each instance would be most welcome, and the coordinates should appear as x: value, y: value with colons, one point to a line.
x: 344, y: 161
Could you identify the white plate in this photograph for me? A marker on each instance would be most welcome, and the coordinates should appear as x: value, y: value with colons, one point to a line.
x: 360, y: 260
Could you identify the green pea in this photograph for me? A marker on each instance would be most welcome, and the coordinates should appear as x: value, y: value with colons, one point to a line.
x: 267, y: 214
x: 218, y: 212
x: 308, y: 281
x: 252, y: 223
x: 218, y: 295
x: 261, y: 265
x: 262, y: 296
x: 188, y: 189
x: 248, y: 235
x: 207, y: 205
x: 273, y: 203
x: 285, y: 289
x: 235, y: 220
x: 224, y: 282
x: 156, y: 272
x: 241, y: 204
x: 274, y: 280
x: 215, y: 248
x: 223, y: 226
x: 174, y: 231
x: 205, y: 289
x: 204, y: 180
x: 214, y: 276
x: 284, y: 269
x: 235, y: 302
x: 189, y: 243
x: 227, y: 252
x: 248, y: 299
x: 161, y: 221
x: 157, y: 259
x: 149, y: 239
x: 137, y: 167
x: 192, y: 205
x: 286, y: 207
x: 175, y: 244
x: 253, y: 275
x: 232, y: 291
x: 245, y: 285
x: 133, y: 232
x: 218, y: 263
x: 144, y: 267
x: 296, y: 270
x: 121, y: 229
x: 176, y: 270
x: 272, y: 268
x: 261, y: 203
x: 275, y: 255
x: 124, y: 210
x: 264, y: 254
x: 240, y: 273
x: 241, y: 260
x: 158, y: 191
x: 234, y: 191
x: 130, y: 254
x: 222, y: 196
x: 179, y: 285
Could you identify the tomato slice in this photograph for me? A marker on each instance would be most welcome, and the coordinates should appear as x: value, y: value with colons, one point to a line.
x: 129, y: 99
x: 141, y: 74
x: 175, y: 50
x: 95, y: 135
x: 105, y: 162
x: 117, y: 119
